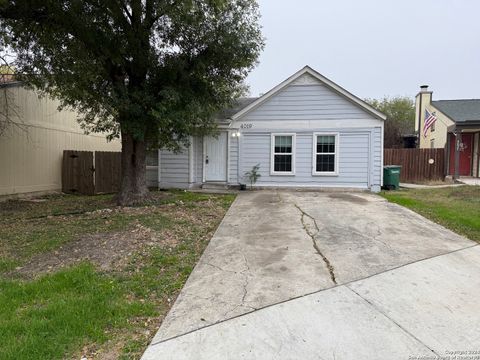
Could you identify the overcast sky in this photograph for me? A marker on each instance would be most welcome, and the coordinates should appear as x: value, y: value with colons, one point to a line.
x: 374, y: 47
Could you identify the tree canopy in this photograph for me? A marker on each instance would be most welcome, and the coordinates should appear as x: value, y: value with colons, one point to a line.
x: 151, y: 71
x: 400, y: 111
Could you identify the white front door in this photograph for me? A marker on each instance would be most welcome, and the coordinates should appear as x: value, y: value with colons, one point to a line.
x: 215, y: 159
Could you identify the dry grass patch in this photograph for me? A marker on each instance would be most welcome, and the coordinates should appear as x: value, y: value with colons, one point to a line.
x: 96, y: 279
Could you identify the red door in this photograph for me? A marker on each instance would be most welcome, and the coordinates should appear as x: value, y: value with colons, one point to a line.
x: 465, y: 168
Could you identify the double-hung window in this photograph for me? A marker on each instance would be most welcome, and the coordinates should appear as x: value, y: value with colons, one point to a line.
x: 325, y: 154
x: 283, y: 154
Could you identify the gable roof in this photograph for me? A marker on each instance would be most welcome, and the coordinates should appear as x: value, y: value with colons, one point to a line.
x: 238, y: 105
x: 330, y: 84
x: 460, y: 111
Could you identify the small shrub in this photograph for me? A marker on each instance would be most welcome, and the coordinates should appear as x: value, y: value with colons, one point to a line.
x: 253, y: 175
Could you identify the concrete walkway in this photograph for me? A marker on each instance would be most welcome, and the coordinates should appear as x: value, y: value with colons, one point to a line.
x: 470, y: 181
x: 421, y: 186
x: 325, y: 275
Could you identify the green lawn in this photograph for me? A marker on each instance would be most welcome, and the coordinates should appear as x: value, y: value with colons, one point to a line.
x: 97, y: 301
x: 456, y: 208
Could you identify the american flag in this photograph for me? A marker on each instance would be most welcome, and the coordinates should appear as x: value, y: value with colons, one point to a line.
x: 430, y: 118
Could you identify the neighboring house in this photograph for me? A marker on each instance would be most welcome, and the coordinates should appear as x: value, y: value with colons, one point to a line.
x: 306, y: 132
x: 457, y: 129
x: 31, y: 151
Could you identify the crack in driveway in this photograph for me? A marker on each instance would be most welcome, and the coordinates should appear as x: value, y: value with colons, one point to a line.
x: 244, y: 273
x: 312, y: 235
x: 220, y: 268
x: 245, y: 284
x: 245, y: 289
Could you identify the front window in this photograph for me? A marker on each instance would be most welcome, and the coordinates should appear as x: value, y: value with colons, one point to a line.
x: 325, y: 154
x: 283, y: 157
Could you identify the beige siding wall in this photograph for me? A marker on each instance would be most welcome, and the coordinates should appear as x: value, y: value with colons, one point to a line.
x: 31, y: 154
x: 439, y: 136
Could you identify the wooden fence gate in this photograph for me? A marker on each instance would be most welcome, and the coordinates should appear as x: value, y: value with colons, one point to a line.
x: 89, y: 173
x: 417, y: 164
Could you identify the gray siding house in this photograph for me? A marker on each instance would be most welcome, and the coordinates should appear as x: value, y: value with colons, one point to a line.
x: 307, y: 132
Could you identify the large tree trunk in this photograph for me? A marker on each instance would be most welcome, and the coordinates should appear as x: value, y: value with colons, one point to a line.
x: 133, y: 188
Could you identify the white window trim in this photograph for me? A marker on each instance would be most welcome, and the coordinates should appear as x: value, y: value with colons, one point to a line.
x: 272, y: 154
x: 314, y: 154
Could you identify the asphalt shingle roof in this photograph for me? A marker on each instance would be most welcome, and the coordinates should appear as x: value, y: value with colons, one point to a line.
x: 236, y: 107
x: 461, y: 111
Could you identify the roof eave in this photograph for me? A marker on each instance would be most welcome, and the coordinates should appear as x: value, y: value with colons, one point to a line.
x: 11, y: 84
x: 223, y: 122
x: 467, y: 124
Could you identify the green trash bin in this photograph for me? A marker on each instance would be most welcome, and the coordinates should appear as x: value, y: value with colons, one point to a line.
x: 391, y: 177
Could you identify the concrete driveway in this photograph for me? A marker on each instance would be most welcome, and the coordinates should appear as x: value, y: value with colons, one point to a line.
x: 318, y: 275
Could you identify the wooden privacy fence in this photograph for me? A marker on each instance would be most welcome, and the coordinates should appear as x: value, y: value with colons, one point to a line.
x: 417, y: 164
x: 89, y: 173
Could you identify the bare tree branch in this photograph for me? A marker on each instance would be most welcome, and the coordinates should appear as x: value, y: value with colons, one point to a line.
x: 9, y: 112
